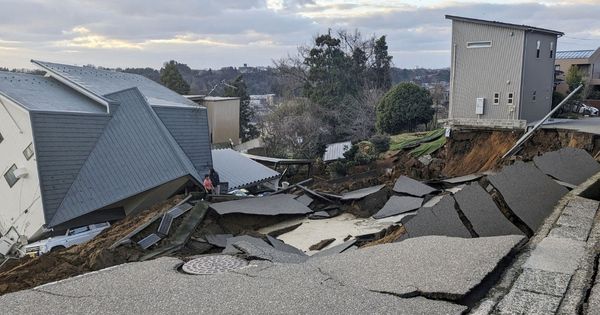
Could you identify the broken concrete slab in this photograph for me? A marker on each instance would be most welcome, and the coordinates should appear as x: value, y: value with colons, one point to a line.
x: 281, y: 246
x: 313, y: 231
x: 264, y: 251
x: 321, y: 244
x: 480, y: 209
x: 305, y: 200
x: 230, y: 249
x: 155, y: 287
x: 219, y: 240
x: 570, y: 165
x: 431, y: 266
x: 361, y: 193
x: 529, y: 193
x: 441, y: 219
x: 462, y: 179
x: 556, y: 255
x: 345, y: 246
x: 398, y: 205
x: 325, y: 214
x: 268, y: 205
x: 409, y: 186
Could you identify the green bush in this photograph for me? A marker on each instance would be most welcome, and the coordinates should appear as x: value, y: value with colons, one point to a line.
x: 380, y: 142
x: 338, y: 168
x: 404, y: 107
x: 349, y: 155
x: 362, y: 158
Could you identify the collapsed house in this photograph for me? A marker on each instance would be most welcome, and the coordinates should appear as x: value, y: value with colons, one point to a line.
x: 83, y: 145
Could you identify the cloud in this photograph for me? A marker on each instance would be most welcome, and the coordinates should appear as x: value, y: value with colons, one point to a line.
x: 215, y: 33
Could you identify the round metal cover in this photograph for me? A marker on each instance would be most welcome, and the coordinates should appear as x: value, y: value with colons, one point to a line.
x: 210, y: 265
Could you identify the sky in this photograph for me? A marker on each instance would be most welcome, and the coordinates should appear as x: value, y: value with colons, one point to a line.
x: 217, y: 33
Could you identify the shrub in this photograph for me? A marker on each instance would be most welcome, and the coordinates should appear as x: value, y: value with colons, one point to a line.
x: 380, y: 142
x: 349, y: 155
x: 338, y: 168
x: 362, y: 158
x: 404, y: 107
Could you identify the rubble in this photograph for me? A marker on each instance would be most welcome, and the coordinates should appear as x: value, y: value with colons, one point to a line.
x: 321, y: 244
x: 398, y: 205
x: 570, y: 165
x: 441, y: 219
x: 409, y: 186
x: 268, y: 205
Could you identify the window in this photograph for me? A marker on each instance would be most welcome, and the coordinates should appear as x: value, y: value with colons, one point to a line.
x: 534, y: 95
x: 479, y: 44
x: 551, y: 49
x: 496, y: 98
x: 510, y: 99
x: 537, y: 55
x: 1, y: 138
x: 557, y: 67
x: 10, y: 177
x: 28, y: 152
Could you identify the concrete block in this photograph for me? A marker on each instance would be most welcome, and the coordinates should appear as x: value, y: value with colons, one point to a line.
x: 556, y: 255
x: 543, y: 282
x: 531, y: 303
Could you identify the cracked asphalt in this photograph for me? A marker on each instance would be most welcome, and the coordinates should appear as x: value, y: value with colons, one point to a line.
x: 365, y: 281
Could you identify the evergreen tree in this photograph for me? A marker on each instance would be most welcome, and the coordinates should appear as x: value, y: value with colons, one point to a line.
x: 404, y: 107
x: 382, y: 65
x: 171, y: 78
x: 237, y: 88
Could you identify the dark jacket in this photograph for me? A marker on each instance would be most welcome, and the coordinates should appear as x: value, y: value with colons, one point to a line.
x: 214, y: 177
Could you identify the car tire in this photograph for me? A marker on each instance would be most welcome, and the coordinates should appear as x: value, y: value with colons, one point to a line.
x: 55, y: 248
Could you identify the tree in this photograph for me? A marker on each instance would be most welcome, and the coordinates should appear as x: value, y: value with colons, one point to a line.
x: 573, y: 79
x: 557, y: 97
x: 237, y: 88
x: 381, y: 65
x: 171, y: 78
x: 403, y: 108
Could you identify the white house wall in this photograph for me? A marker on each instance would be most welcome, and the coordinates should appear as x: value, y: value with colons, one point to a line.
x: 481, y: 72
x: 21, y: 205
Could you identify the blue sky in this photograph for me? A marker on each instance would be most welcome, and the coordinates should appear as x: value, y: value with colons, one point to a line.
x: 216, y: 33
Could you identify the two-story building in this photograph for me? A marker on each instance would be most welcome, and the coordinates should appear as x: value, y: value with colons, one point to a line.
x: 586, y: 61
x: 502, y: 75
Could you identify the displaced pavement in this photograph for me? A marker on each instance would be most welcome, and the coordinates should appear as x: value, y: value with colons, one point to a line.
x: 427, y: 275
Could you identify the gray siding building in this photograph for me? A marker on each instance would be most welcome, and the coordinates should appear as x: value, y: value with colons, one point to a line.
x: 96, y: 145
x: 502, y: 74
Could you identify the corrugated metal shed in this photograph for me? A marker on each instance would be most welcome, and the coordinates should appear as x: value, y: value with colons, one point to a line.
x: 574, y: 54
x: 102, y: 82
x: 135, y: 153
x: 335, y: 151
x: 38, y: 93
x: 240, y: 171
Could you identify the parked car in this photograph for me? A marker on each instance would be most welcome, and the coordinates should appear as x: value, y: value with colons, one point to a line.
x: 588, y: 110
x: 72, y: 237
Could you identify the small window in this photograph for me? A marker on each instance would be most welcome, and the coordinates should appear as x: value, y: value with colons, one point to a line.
x: 496, y: 98
x: 510, y: 99
x: 28, y: 152
x: 552, y: 50
x: 537, y: 55
x: 1, y: 138
x: 10, y: 177
x: 479, y: 44
x: 534, y: 95
x: 557, y: 67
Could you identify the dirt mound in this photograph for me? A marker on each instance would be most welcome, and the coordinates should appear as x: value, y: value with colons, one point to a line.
x: 94, y: 255
x: 476, y: 151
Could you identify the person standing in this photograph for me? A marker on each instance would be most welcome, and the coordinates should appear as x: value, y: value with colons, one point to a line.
x: 208, y: 185
x: 214, y: 177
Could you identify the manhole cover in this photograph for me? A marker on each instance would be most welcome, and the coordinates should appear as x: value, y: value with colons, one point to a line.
x: 209, y: 265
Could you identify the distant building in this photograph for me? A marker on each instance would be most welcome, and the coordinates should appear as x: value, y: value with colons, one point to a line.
x: 83, y: 145
x: 262, y: 105
x: 502, y: 75
x: 587, y: 61
x: 223, y: 117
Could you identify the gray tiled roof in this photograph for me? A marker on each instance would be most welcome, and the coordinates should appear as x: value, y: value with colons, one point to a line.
x: 102, y: 82
x: 574, y: 54
x: 335, y: 151
x: 240, y: 171
x: 135, y: 153
x: 38, y: 93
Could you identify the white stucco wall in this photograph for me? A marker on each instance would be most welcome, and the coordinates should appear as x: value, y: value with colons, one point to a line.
x: 20, y: 205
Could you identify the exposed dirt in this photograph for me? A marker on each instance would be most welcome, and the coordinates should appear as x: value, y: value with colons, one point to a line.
x: 94, y: 255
